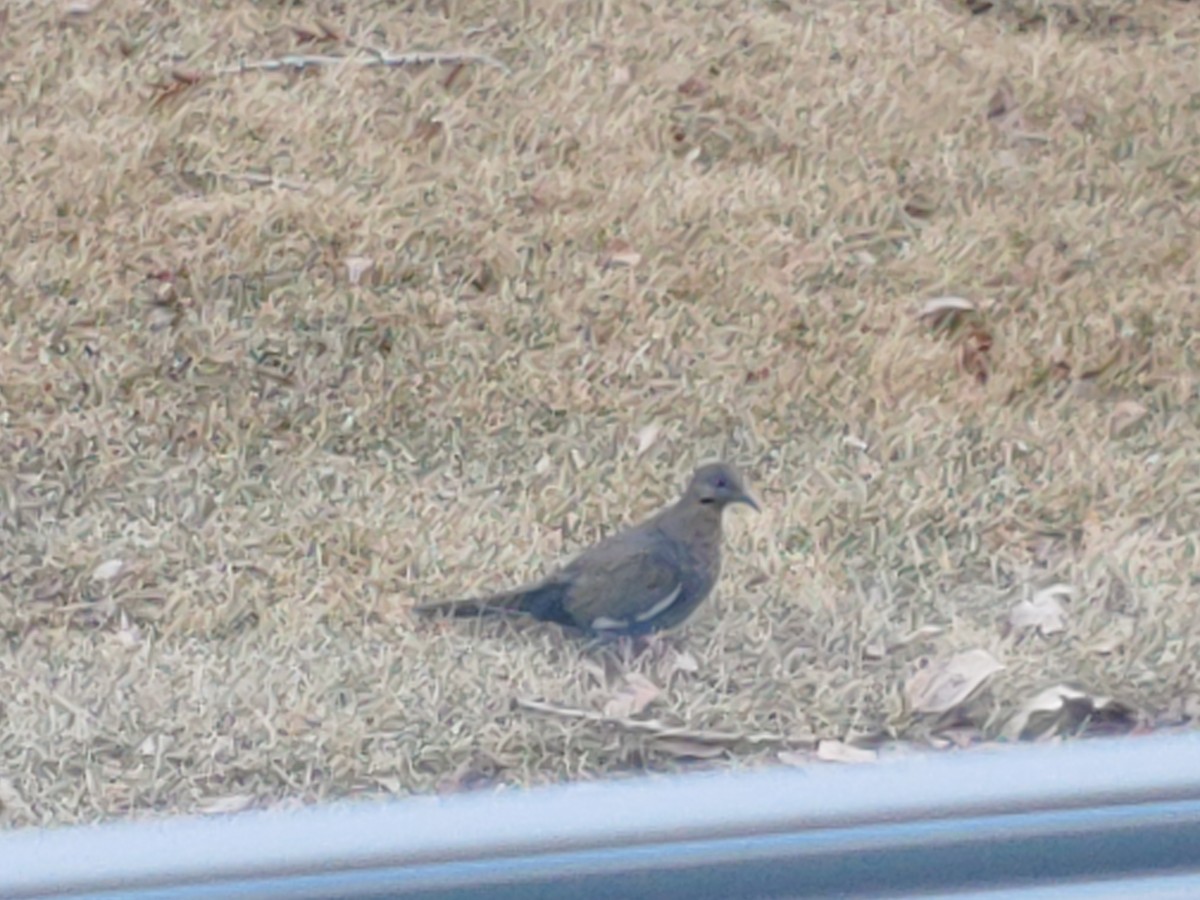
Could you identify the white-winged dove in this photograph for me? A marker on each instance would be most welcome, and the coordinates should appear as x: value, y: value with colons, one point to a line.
x: 645, y: 579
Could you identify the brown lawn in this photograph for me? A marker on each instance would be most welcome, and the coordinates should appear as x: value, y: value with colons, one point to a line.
x: 283, y: 352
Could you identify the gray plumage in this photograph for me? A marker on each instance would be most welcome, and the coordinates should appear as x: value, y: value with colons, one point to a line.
x: 645, y: 579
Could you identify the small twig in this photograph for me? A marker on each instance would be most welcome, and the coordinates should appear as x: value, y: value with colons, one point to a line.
x: 255, y: 178
x: 654, y: 727
x: 377, y: 58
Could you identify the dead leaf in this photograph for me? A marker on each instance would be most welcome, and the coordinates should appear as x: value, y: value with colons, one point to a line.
x: 941, y: 309
x: 331, y: 29
x: 692, y: 87
x: 1044, y: 611
x: 632, y: 697
x: 219, y: 806
x: 921, y: 205
x: 425, y: 130
x: 1063, y: 709
x: 188, y: 76
x: 80, y: 8
x: 108, y: 570
x: 646, y: 437
x: 150, y: 746
x: 619, y: 253
x: 357, y: 267
x: 838, y: 752
x: 181, y: 80
x: 945, y: 684
x: 794, y: 757
x: 321, y: 30
x: 683, y: 661
x: 973, y: 356
x: 1125, y: 416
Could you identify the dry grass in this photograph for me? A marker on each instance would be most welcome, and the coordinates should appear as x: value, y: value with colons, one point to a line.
x: 720, y: 219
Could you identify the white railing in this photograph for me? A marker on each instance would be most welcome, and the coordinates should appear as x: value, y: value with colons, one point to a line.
x: 1119, y: 815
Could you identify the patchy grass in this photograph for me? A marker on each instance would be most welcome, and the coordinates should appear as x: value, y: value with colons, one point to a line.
x: 283, y: 352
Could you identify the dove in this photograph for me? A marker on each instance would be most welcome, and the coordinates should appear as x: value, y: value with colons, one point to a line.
x: 639, y: 581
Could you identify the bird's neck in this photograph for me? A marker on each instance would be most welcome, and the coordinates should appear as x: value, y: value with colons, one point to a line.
x: 697, y: 528
x: 689, y: 520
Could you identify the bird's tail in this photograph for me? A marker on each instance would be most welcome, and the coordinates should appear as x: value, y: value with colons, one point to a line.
x: 521, y: 600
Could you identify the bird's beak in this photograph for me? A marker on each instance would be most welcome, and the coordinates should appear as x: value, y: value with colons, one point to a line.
x: 749, y: 501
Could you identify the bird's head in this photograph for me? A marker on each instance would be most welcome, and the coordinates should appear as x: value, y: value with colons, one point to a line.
x: 718, y: 485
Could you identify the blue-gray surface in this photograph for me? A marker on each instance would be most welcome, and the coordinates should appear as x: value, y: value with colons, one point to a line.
x: 1098, y: 816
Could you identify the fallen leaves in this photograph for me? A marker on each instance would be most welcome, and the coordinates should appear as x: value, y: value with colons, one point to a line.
x: 681, y: 661
x: 221, y: 806
x: 839, y: 752
x: 108, y: 570
x: 80, y: 8
x: 1065, y: 710
x: 619, y: 254
x: 943, y: 685
x: 180, y: 80
x: 974, y: 352
x: 633, y: 695
x: 920, y: 205
x: 1043, y: 612
x: 943, y: 310
x: 646, y: 437
x: 796, y: 758
x: 357, y: 267
x: 828, y: 750
x: 320, y: 31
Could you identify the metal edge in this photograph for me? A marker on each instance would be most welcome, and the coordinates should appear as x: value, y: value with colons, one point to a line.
x: 639, y: 812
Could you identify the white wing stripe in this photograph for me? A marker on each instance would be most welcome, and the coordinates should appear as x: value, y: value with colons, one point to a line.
x: 661, y: 606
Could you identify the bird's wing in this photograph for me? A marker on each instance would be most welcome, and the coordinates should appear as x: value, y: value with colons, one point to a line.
x: 621, y: 585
